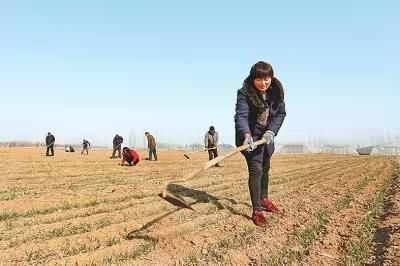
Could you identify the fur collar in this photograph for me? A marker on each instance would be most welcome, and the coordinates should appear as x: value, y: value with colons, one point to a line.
x: 275, y: 95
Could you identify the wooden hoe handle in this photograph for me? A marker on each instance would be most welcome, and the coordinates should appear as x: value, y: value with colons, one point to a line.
x: 216, y: 160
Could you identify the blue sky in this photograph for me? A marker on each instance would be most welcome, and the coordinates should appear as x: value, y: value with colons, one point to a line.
x: 91, y: 69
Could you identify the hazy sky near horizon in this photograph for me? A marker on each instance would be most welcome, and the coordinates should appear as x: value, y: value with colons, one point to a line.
x: 91, y: 69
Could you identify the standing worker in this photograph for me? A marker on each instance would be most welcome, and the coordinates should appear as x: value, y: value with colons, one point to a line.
x: 50, y: 139
x: 260, y: 111
x: 86, y: 145
x: 117, y: 142
x: 151, y: 144
x: 211, y: 143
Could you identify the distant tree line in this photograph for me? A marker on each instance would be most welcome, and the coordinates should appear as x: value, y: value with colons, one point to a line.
x: 21, y: 144
x: 37, y: 144
x: 160, y: 145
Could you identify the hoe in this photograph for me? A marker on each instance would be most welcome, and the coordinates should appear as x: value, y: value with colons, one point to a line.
x: 183, y: 204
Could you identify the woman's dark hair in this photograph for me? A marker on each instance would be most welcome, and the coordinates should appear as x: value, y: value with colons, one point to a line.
x: 262, y: 69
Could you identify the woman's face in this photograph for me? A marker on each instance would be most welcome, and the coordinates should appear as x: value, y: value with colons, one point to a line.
x: 262, y: 84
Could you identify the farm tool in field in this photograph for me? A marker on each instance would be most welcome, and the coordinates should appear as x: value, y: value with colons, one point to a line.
x: 49, y: 145
x: 180, y: 202
x: 187, y: 154
x: 114, y: 149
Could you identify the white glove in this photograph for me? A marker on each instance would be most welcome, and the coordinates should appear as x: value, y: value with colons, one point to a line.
x: 269, y: 136
x: 249, y: 140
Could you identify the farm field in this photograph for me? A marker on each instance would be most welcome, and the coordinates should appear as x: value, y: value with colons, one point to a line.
x: 88, y: 210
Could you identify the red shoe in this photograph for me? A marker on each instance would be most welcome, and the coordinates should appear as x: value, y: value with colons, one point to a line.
x: 268, y: 205
x: 258, y: 218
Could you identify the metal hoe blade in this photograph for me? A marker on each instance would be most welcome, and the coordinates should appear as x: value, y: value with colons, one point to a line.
x: 175, y: 201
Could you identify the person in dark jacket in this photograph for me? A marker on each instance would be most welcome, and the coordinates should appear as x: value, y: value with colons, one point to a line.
x: 130, y: 156
x: 151, y: 144
x: 260, y: 111
x: 85, y: 145
x: 211, y: 143
x: 50, y: 140
x: 117, y: 142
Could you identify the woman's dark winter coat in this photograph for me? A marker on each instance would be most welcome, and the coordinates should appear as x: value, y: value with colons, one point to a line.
x: 249, y: 107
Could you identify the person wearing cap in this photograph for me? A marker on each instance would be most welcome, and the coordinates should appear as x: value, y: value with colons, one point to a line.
x: 130, y: 156
x: 50, y: 139
x: 260, y: 112
x: 151, y: 145
x: 211, y: 143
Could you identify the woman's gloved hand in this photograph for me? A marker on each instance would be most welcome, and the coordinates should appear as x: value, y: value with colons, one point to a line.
x: 248, y: 139
x: 269, y: 136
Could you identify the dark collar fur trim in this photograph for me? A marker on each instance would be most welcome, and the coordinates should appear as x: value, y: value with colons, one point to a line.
x: 275, y: 94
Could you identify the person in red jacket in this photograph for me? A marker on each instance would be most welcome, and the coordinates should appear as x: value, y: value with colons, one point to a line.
x: 130, y: 156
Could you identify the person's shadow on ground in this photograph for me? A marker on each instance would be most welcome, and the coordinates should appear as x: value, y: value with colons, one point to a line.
x: 179, y: 192
x: 200, y: 196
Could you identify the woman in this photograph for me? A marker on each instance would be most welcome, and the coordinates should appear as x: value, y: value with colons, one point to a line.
x: 130, y: 156
x: 260, y: 111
